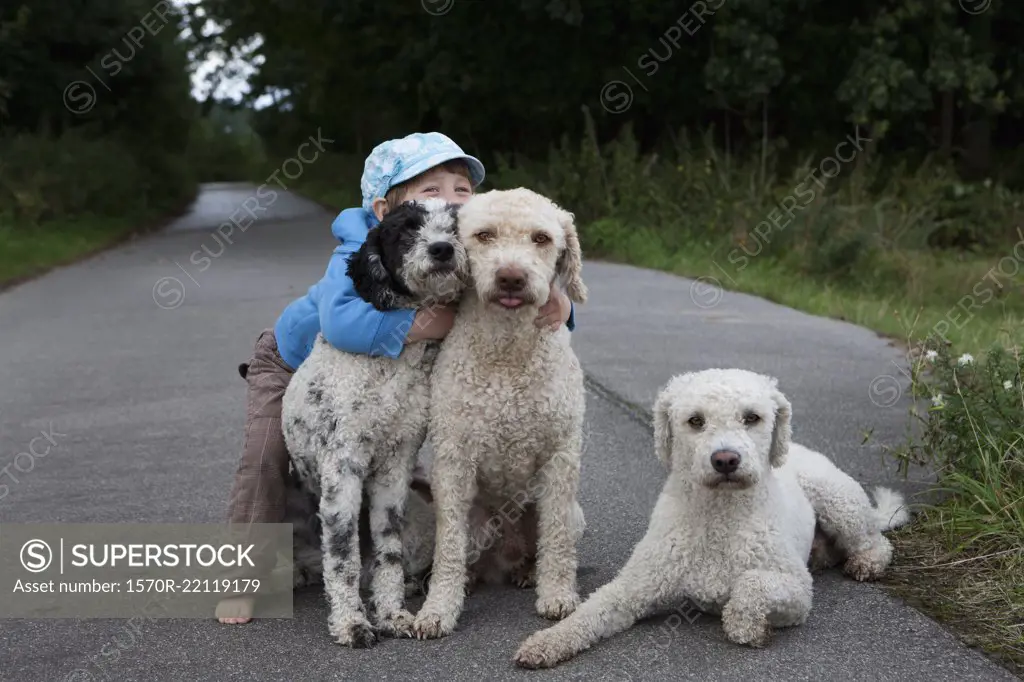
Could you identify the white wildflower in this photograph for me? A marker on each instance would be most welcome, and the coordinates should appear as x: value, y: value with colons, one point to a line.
x: 965, y: 359
x: 1008, y: 385
x: 931, y: 355
x: 938, y: 400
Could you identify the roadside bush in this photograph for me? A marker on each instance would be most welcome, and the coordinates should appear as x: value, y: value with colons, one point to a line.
x: 975, y: 425
x: 963, y: 558
x: 218, y: 153
x: 44, y: 179
x: 332, y: 178
x: 876, y: 228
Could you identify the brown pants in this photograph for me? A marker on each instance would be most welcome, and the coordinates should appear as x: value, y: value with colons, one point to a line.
x: 260, y: 489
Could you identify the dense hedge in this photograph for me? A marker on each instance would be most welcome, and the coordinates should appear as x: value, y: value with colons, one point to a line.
x: 95, y: 109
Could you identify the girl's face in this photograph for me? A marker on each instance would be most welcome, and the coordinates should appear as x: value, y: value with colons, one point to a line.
x: 436, y: 183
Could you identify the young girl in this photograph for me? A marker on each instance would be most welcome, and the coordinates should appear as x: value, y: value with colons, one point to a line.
x: 419, y: 166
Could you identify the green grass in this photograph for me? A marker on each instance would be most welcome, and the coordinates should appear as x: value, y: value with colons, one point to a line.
x: 907, y: 315
x: 64, y: 197
x: 897, y: 316
x: 28, y: 251
x: 978, y: 595
x: 962, y: 560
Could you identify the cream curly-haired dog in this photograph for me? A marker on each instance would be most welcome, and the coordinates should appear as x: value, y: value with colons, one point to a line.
x: 354, y: 421
x: 507, y: 402
x: 733, y: 528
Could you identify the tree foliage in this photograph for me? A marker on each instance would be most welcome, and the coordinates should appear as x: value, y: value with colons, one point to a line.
x: 100, y: 80
x: 513, y: 75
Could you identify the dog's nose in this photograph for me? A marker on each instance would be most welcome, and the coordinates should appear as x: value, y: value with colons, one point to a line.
x: 441, y: 251
x: 725, y: 461
x: 511, y: 279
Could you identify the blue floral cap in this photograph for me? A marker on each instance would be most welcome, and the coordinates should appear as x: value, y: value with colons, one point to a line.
x: 395, y: 161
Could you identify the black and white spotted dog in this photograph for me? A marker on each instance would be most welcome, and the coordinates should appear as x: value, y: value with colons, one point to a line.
x: 355, y: 422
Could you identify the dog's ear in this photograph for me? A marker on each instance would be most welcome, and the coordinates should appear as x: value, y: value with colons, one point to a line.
x: 663, y: 429
x: 570, y: 261
x: 370, y: 276
x: 783, y: 431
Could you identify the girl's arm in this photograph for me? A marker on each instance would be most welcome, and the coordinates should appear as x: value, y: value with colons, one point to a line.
x: 351, y: 324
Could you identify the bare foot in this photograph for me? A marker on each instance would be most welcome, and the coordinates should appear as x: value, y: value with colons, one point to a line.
x: 235, y: 610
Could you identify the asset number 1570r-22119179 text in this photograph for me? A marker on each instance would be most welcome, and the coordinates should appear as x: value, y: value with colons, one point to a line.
x: 193, y: 585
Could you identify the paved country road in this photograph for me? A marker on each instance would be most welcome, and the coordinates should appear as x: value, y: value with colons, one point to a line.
x: 130, y: 357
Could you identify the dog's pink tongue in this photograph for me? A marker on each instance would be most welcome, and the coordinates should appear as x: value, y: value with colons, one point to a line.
x: 510, y: 301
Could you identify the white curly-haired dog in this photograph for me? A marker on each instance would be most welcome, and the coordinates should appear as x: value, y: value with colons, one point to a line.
x: 507, y: 404
x: 733, y: 528
x: 351, y: 420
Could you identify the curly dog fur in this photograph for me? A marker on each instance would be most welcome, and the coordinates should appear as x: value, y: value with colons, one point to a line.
x: 507, y: 404
x: 354, y: 421
x: 417, y: 533
x: 733, y: 528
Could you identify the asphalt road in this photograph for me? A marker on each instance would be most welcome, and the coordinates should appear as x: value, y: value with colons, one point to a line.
x: 131, y: 358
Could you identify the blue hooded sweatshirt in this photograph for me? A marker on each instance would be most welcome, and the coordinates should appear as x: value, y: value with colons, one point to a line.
x: 333, y: 307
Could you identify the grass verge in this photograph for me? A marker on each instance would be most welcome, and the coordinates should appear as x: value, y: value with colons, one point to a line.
x: 962, y: 560
x: 895, y: 315
x: 66, y: 197
x: 27, y: 252
x: 974, y: 593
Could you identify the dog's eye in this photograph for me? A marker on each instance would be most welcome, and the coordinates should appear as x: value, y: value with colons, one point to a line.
x: 750, y: 418
x: 696, y: 421
x: 541, y: 238
x: 484, y: 236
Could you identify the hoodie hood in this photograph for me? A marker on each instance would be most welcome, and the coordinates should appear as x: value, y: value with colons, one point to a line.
x: 352, y: 224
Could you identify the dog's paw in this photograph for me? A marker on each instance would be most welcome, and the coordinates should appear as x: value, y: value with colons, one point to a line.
x: 397, y: 624
x: 432, y: 624
x: 867, y: 565
x: 358, y: 634
x: 558, y: 606
x: 744, y: 628
x: 541, y: 650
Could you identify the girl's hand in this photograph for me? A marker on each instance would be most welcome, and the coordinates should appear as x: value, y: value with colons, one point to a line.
x: 555, y: 312
x: 433, y: 322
